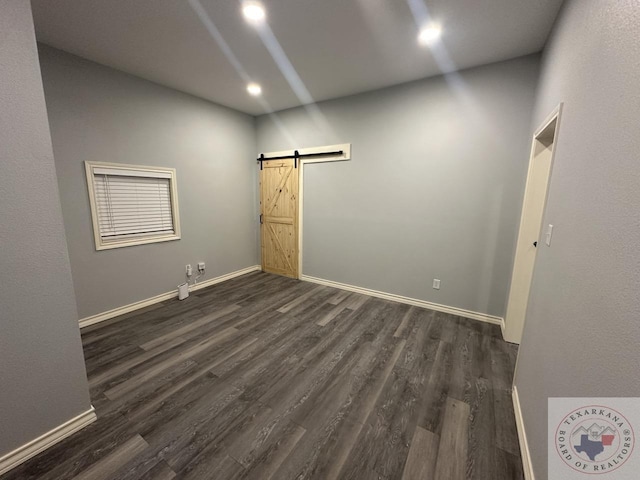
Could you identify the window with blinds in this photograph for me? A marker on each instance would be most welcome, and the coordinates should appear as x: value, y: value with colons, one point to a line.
x: 132, y: 205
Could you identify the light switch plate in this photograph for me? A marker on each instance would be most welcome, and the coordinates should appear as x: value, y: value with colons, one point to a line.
x: 547, y: 238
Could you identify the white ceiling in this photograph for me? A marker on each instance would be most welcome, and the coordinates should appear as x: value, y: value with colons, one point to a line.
x: 336, y: 47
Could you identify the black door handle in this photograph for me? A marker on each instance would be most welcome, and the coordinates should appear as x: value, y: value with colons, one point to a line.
x: 535, y: 244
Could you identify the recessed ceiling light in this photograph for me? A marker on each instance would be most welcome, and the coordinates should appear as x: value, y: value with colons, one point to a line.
x: 254, y: 89
x: 253, y: 12
x: 429, y: 34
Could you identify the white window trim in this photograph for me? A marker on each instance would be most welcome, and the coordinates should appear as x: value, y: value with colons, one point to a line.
x: 90, y: 168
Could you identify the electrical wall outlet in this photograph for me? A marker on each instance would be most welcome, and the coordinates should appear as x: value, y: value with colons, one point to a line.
x: 189, y: 270
x: 436, y: 283
x: 201, y: 266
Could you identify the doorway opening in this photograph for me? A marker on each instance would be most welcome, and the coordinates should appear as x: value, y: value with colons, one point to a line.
x: 281, y: 204
x: 533, y: 208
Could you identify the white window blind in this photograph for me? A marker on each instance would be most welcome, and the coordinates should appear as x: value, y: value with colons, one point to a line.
x: 132, y: 205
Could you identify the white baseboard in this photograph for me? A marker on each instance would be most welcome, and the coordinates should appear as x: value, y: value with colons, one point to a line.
x: 223, y: 278
x: 101, y: 317
x: 460, y: 312
x: 527, y: 466
x: 40, y: 444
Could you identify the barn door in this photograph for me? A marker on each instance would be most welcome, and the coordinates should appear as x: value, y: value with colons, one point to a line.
x: 279, y: 217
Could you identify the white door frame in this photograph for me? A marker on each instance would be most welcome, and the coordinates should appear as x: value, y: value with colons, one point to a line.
x: 346, y: 155
x: 509, y: 334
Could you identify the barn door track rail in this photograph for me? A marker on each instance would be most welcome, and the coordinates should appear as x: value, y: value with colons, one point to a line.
x: 297, y: 156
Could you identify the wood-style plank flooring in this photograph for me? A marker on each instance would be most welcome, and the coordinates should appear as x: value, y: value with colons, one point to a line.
x: 265, y: 377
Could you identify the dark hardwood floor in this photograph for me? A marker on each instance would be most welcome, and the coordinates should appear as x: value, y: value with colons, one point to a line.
x: 265, y: 377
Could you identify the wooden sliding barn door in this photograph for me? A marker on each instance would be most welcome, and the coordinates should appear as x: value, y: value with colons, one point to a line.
x: 279, y: 217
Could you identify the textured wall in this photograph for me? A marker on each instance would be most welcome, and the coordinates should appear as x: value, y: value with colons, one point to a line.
x: 42, y: 374
x: 582, y: 332
x: 434, y: 188
x: 99, y: 114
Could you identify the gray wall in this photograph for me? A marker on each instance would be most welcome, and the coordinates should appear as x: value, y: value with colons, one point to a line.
x: 434, y: 189
x: 42, y: 374
x: 97, y: 113
x: 586, y: 288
